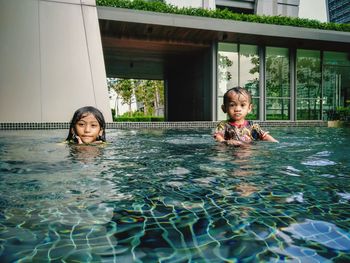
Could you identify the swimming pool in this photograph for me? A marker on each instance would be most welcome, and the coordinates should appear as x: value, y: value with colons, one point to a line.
x: 175, y: 196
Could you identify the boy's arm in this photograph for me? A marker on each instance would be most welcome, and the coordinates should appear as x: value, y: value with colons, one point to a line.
x: 219, y: 132
x: 264, y: 135
x: 269, y: 138
x: 220, y: 138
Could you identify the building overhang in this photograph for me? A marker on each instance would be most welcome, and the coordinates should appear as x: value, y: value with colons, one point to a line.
x: 153, y: 37
x: 130, y: 23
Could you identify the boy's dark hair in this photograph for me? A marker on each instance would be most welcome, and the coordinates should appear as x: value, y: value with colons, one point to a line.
x: 237, y: 90
x: 81, y: 113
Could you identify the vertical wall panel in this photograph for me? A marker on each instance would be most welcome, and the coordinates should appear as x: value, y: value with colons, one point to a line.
x: 96, y: 61
x: 51, y: 60
x: 66, y: 76
x: 20, y: 98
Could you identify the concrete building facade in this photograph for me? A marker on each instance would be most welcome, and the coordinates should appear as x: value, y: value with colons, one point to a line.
x: 338, y: 11
x: 56, y: 56
x: 51, y: 60
x: 194, y: 54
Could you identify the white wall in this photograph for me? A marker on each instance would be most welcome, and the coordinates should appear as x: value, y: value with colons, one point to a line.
x: 278, y: 7
x: 313, y: 9
x: 51, y: 60
x: 120, y: 108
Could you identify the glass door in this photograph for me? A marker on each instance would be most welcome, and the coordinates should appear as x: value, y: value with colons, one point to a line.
x: 336, y: 87
x: 336, y: 82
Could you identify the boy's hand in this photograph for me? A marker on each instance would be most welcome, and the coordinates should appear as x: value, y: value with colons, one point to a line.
x: 234, y: 142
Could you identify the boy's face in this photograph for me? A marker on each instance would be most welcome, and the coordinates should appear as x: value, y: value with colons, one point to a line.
x: 237, y: 106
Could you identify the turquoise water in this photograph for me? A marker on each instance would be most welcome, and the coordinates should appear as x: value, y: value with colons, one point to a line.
x: 175, y: 196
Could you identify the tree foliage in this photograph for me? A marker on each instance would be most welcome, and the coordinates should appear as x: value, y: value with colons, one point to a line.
x: 149, y: 94
x: 124, y: 89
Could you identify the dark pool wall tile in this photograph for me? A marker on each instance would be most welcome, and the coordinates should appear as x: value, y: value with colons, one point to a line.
x: 153, y: 125
x: 34, y: 126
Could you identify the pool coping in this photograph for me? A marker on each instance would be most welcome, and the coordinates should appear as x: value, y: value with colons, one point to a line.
x: 153, y: 125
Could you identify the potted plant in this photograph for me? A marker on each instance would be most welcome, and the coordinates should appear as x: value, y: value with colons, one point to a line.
x: 339, y: 117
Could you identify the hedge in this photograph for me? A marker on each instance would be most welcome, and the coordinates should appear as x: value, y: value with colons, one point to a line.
x: 139, y: 119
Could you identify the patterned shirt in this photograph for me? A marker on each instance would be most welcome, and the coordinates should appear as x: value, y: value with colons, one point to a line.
x: 247, y: 132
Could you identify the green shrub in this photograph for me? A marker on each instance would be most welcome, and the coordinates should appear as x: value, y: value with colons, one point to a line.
x: 136, y: 116
x: 161, y: 7
x: 252, y: 116
x: 277, y: 117
x: 139, y: 119
x: 340, y: 113
x: 113, y: 112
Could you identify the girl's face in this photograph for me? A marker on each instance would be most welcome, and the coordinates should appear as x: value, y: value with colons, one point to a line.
x: 88, y: 128
x: 237, y: 107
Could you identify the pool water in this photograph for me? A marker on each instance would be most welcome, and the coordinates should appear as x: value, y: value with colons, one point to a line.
x: 175, y: 196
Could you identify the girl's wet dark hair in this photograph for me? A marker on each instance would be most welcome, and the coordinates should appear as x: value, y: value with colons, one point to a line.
x: 237, y: 90
x: 81, y: 113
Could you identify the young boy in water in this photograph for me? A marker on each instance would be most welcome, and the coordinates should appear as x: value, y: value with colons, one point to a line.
x: 237, y: 130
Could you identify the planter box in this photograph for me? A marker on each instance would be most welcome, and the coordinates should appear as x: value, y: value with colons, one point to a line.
x: 337, y: 124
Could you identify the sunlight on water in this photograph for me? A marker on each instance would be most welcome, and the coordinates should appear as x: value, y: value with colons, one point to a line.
x: 175, y: 196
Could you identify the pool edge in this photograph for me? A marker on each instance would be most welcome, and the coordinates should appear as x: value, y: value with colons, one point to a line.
x: 154, y: 125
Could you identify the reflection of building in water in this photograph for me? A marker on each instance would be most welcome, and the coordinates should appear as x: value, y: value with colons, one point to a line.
x: 85, y: 153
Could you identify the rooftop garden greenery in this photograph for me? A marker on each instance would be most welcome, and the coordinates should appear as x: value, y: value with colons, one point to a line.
x: 161, y: 7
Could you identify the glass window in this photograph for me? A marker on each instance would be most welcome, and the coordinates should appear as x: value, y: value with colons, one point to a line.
x: 249, y: 75
x: 336, y: 58
x: 308, y: 109
x: 277, y: 84
x: 238, y: 65
x: 227, y: 72
x: 227, y: 67
x: 336, y: 81
x: 254, y: 115
x: 308, y: 83
x: 277, y: 109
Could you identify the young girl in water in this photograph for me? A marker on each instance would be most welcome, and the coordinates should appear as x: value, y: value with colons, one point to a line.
x: 237, y: 130
x: 87, y: 127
